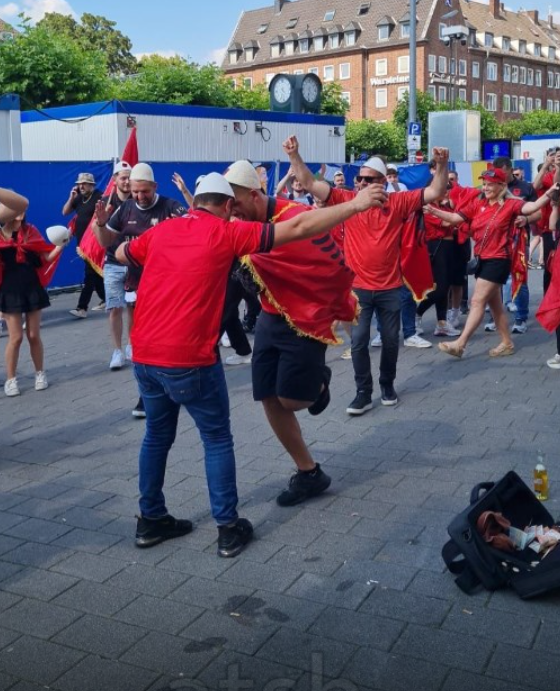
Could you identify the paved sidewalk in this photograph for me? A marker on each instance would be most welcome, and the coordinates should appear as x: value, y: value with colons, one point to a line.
x: 349, y: 587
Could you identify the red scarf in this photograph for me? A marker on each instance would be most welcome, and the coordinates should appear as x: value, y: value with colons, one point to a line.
x: 89, y: 249
x: 307, y: 281
x: 548, y: 313
x: 29, y: 239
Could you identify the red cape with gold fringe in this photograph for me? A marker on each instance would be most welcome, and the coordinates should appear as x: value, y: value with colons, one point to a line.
x: 307, y: 281
x: 89, y: 249
x: 29, y: 239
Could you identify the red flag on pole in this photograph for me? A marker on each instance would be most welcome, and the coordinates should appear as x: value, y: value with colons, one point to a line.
x: 89, y: 249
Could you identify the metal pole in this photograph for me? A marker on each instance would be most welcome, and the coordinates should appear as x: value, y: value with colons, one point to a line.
x: 412, y: 67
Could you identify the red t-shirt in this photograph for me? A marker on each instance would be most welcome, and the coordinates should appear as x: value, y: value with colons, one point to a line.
x: 435, y: 228
x: 494, y: 221
x: 372, y: 239
x: 543, y: 224
x: 181, y: 295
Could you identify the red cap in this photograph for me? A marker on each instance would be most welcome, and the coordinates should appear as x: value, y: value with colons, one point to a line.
x: 493, y: 175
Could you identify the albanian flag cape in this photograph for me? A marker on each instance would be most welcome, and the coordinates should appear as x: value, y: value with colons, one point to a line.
x: 89, y: 249
x: 306, y: 281
x: 29, y: 239
x: 548, y: 313
x: 416, y: 267
x: 519, y: 262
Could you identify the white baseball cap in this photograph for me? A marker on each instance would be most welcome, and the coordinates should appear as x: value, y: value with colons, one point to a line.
x: 199, y: 179
x: 142, y: 171
x: 214, y: 183
x: 120, y: 166
x: 376, y: 163
x: 243, y: 174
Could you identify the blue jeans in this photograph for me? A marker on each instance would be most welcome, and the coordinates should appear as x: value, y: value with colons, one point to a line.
x: 203, y: 392
x: 408, y: 313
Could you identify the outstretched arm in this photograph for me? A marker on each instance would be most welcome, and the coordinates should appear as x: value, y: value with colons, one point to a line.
x: 183, y: 189
x: 450, y: 217
x: 438, y: 186
x: 532, y: 207
x: 12, y: 205
x: 318, y: 188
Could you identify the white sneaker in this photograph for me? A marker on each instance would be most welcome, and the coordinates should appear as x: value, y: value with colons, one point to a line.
x: 415, y: 341
x: 454, y: 317
x: 419, y: 329
x: 117, y: 360
x: 99, y: 308
x: 491, y: 326
x: 376, y: 342
x: 224, y: 341
x: 446, y: 330
x: 11, y: 387
x: 347, y: 354
x: 554, y: 362
x: 238, y: 359
x: 519, y: 327
x: 79, y: 314
x: 41, y: 382
x: 511, y: 307
x: 128, y: 352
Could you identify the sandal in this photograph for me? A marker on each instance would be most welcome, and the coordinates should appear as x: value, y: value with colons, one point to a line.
x: 452, y: 349
x: 502, y: 350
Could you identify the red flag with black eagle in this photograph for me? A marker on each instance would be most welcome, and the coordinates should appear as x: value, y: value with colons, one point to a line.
x: 89, y: 249
x: 29, y: 239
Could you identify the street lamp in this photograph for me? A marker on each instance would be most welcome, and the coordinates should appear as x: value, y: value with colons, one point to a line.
x: 451, y: 35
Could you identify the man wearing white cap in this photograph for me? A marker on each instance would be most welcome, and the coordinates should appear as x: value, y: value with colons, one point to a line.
x: 306, y: 287
x: 175, y: 335
x: 372, y: 245
x: 145, y: 209
x: 82, y: 200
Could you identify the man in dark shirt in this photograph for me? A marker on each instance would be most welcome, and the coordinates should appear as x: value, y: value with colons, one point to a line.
x: 145, y: 209
x: 82, y: 200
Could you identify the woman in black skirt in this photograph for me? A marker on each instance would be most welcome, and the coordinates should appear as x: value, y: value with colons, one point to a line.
x: 25, y: 268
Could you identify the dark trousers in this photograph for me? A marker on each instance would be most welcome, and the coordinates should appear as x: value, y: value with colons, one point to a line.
x: 441, y: 258
x: 231, y: 323
x: 253, y: 308
x: 387, y: 303
x: 92, y: 282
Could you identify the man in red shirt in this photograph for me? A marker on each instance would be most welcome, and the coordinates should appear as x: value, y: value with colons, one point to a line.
x: 306, y: 288
x: 372, y: 247
x: 186, y: 263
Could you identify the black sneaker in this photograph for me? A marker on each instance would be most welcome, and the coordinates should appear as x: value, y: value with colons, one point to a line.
x: 303, y: 485
x: 232, y: 539
x: 139, y: 411
x: 324, y: 397
x: 360, y: 404
x: 248, y: 326
x: 388, y: 395
x: 152, y: 531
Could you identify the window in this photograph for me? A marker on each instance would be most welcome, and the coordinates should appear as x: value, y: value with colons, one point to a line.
x: 514, y: 74
x: 491, y: 102
x: 522, y: 47
x: 383, y: 32
x: 329, y: 16
x: 248, y: 82
x: 538, y: 78
x: 381, y: 67
x: 507, y: 73
x: 549, y: 105
x: 530, y: 76
x: 405, y: 30
x: 551, y: 53
x: 328, y: 73
x: 475, y: 99
x: 350, y: 38
x: 529, y: 104
x: 452, y: 66
x: 401, y: 91
x: 462, y: 94
x: 514, y: 104
x: 431, y: 63
x: 442, y: 64
x: 334, y: 40
x: 269, y: 77
x: 442, y: 94
x: 557, y: 80
x: 262, y: 28
x: 313, y: 70
x: 492, y: 71
x: 462, y: 68
x: 318, y: 43
x: 538, y: 104
x: 488, y: 39
x: 550, y: 79
x: 403, y: 64
x: 292, y: 22
x: 345, y: 96
x: 537, y: 52
x: 432, y: 91
x: 249, y: 54
x: 364, y: 8
x: 557, y: 106
x: 233, y: 57
x: 506, y: 105
x: 472, y: 38
x: 522, y: 104
x: 298, y: 71
x: 523, y: 75
x: 304, y: 45
x: 476, y: 70
x: 506, y: 43
x: 289, y: 47
x: 344, y: 70
x: 275, y: 50
x: 381, y: 98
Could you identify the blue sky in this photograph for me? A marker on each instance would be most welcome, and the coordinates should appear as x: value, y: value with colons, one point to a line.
x: 195, y: 29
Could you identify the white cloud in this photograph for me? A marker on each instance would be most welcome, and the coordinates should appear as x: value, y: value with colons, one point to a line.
x: 10, y: 10
x: 36, y: 9
x: 217, y: 55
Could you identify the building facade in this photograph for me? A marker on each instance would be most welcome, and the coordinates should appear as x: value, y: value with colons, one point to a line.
x: 481, y: 53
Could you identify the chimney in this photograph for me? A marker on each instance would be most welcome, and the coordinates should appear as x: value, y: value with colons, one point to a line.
x: 550, y: 20
x: 495, y: 8
x: 534, y: 15
x: 278, y: 6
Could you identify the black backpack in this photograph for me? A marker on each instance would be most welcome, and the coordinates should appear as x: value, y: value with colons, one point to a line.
x: 477, y: 564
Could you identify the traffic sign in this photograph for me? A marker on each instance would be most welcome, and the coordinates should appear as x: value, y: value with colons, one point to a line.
x: 414, y: 128
x: 413, y: 142
x: 419, y: 156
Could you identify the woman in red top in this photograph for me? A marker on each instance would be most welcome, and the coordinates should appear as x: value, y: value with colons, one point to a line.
x: 491, y: 226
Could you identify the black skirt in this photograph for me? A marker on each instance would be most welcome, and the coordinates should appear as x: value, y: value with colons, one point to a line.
x: 21, y: 291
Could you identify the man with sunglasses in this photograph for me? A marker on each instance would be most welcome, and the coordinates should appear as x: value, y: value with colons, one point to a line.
x: 372, y: 247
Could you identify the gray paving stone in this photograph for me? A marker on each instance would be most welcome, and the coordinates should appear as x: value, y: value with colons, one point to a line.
x: 333, y: 590
x: 37, y: 661
x: 211, y: 594
x: 406, y: 607
x: 465, y: 681
x: 157, y: 614
x: 6, y: 682
x: 259, y: 576
x: 95, y: 598
x: 7, y: 637
x: 202, y: 564
x: 90, y: 566
x: 37, y: 583
x: 517, y: 666
x: 96, y: 673
x: 86, y: 541
x: 376, y: 574
x: 100, y: 636
x: 147, y: 580
x: 37, y: 530
x: 252, y: 673
x: 34, y: 554
x: 303, y: 560
x: 413, y: 554
x: 8, y: 543
x: 357, y: 628
x: 501, y: 627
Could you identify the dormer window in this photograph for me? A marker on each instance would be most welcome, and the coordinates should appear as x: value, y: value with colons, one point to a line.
x: 334, y: 36
x: 405, y: 29
x: 276, y: 46
x: 364, y: 8
x: 506, y: 43
x: 351, y: 33
x: 292, y: 23
x: 537, y: 51
x: 250, y: 49
x: 384, y: 28
x: 489, y: 40
x: 234, y: 53
x: 329, y: 15
x: 290, y: 42
x: 522, y: 47
x: 319, y: 38
x: 551, y: 53
x: 472, y: 37
x: 304, y: 41
x: 262, y: 29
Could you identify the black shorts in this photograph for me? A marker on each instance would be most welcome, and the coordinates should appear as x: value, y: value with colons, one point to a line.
x: 458, y: 269
x: 285, y: 364
x: 494, y: 270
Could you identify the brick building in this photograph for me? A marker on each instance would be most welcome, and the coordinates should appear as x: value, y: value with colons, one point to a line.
x: 508, y: 61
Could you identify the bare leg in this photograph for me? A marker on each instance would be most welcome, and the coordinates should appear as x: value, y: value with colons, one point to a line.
x: 483, y: 290
x: 281, y: 417
x: 15, y: 337
x: 116, y: 326
x: 500, y: 317
x: 33, y: 331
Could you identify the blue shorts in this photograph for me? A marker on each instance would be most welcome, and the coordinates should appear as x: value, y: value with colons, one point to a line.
x: 113, y: 278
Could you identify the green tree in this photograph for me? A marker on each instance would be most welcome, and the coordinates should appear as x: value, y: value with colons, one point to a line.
x: 48, y: 70
x: 99, y: 33
x: 332, y: 102
x: 251, y: 98
x: 371, y: 137
x: 535, y: 122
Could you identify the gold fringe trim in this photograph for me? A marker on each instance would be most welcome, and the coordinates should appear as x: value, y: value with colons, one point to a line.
x: 424, y: 294
x: 97, y: 269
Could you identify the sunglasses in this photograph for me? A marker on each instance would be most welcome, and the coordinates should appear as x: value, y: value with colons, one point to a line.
x: 369, y: 178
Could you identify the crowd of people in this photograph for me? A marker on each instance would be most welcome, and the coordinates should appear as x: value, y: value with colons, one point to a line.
x: 316, y: 255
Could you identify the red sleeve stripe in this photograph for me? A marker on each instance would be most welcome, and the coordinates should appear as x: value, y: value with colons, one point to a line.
x: 267, y: 237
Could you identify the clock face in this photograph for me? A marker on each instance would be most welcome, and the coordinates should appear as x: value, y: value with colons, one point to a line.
x: 282, y: 90
x: 309, y: 90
